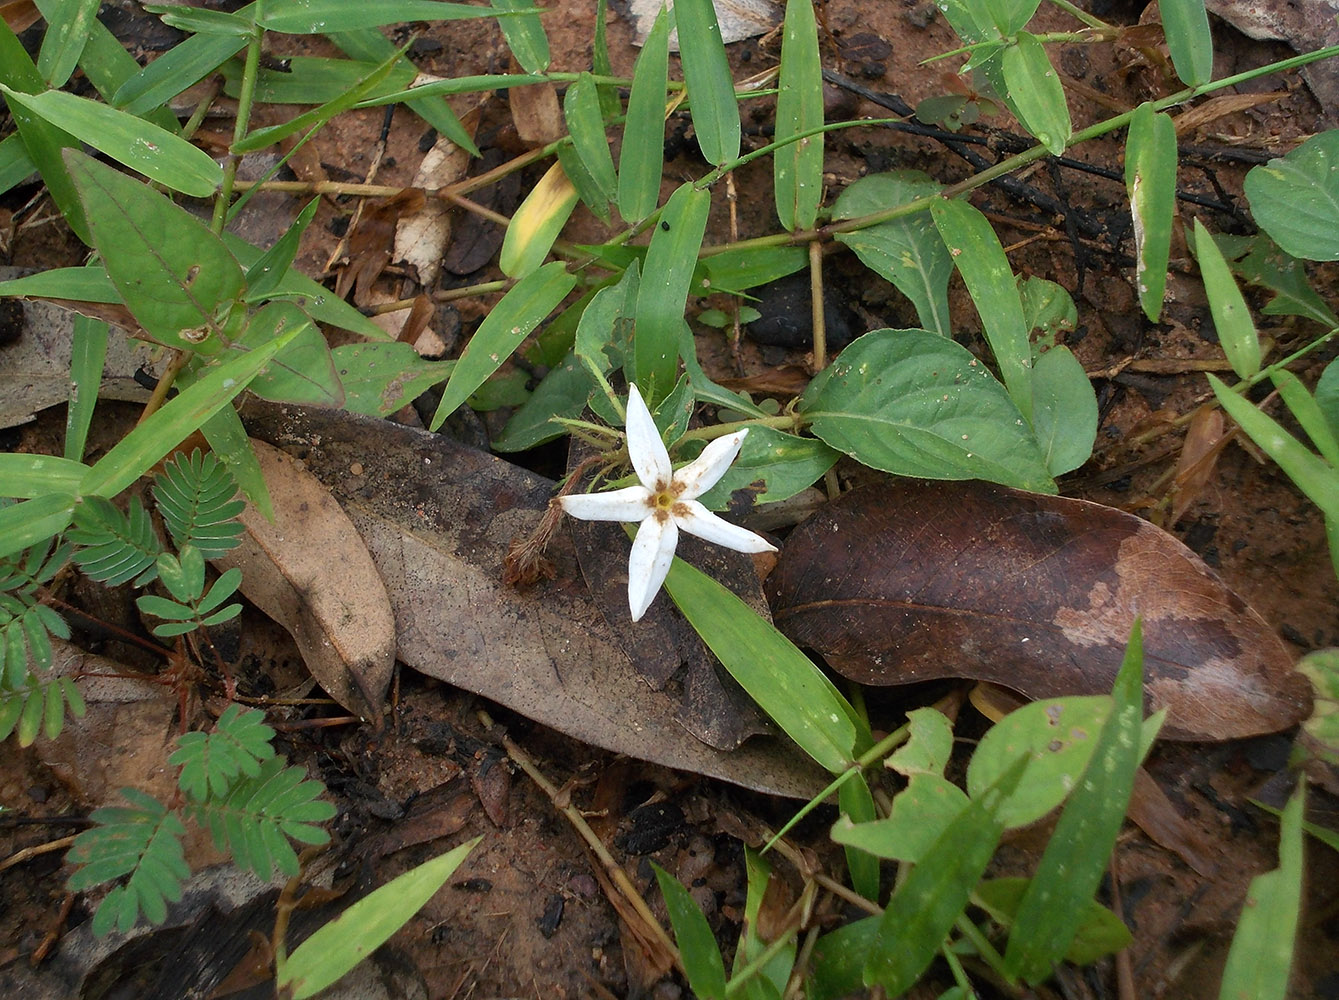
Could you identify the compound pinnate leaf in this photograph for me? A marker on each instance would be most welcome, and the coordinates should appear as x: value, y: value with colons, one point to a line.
x: 912, y: 580
x: 210, y: 762
x: 197, y: 497
x: 115, y: 549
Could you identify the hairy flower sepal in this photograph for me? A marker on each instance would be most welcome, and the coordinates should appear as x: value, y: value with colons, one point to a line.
x: 665, y: 503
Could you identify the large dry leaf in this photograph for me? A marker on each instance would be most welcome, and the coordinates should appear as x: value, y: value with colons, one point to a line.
x: 309, y: 570
x: 911, y: 580
x: 438, y: 518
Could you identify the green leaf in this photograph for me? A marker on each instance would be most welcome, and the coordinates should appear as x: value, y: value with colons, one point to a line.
x: 921, y: 813
x: 210, y: 762
x: 196, y: 498
x: 1312, y: 475
x: 16, y: 166
x: 537, y: 223
x: 1306, y: 408
x: 1321, y: 668
x: 1150, y: 183
x: 229, y: 441
x: 1064, y: 410
x: 928, y: 747
x: 980, y: 259
x: 380, y: 378
x: 79, y: 284
x: 1047, y: 309
x: 913, y: 403
x: 524, y: 34
x: 202, y: 20
x: 797, y: 169
x: 181, y: 67
x: 1036, y: 92
x: 1262, y: 947
x: 907, y: 251
x: 838, y: 962
x: 316, y: 79
x: 140, y: 145
x: 88, y: 352
x: 521, y: 310
x: 782, y: 680
x: 302, y: 371
x: 1232, y: 319
x: 857, y: 806
x: 1009, y: 16
x: 1296, y: 199
x: 157, y: 436
x: 925, y: 906
x: 738, y: 270
x: 697, y: 945
x: 1259, y: 261
x: 663, y: 294
x: 115, y: 549
x: 171, y: 271
x: 36, y: 520
x: 585, y: 122
x: 1097, y: 931
x: 643, y: 150
x: 1079, y: 850
x: 1185, y: 23
x: 68, y: 28
x: 771, y: 466
x: 706, y: 73
x: 562, y: 393
x: 263, y: 277
x: 25, y: 475
x: 771, y: 979
x: 342, y: 943
x: 312, y: 17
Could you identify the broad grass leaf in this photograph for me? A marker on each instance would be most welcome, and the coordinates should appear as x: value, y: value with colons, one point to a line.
x: 172, y: 272
x: 1185, y: 23
x: 263, y: 277
x: 537, y: 223
x: 314, y: 80
x: 27, y: 476
x: 1231, y: 317
x: 643, y: 151
x: 1077, y: 855
x: 585, y: 123
x: 908, y: 251
x: 1261, y: 955
x: 1097, y: 931
x: 522, y: 309
x: 177, y: 69
x: 706, y: 73
x: 36, y: 520
x: 313, y: 17
x: 737, y: 271
x: 856, y: 803
x: 88, y: 357
x: 797, y: 169
x: 1296, y: 199
x: 181, y: 416
x: 697, y: 945
x: 67, y: 33
x: 781, y: 679
x: 1150, y: 183
x: 1312, y: 474
x: 202, y: 20
x: 760, y: 908
x: 1037, y: 93
x: 771, y: 466
x: 980, y: 259
x: 16, y: 165
x: 524, y: 34
x: 1306, y: 408
x: 663, y: 294
x: 140, y: 145
x: 342, y: 943
x: 76, y: 284
x: 913, y: 403
x: 928, y: 902
x: 1064, y: 410
x: 908, y: 581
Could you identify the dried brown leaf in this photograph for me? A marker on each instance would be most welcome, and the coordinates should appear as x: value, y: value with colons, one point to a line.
x: 911, y: 580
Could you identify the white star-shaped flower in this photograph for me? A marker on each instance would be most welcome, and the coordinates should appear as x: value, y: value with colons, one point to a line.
x: 664, y: 503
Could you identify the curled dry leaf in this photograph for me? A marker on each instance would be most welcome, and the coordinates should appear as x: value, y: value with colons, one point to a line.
x: 910, y: 580
x: 310, y: 571
x: 421, y: 238
x: 439, y: 518
x: 1204, y: 442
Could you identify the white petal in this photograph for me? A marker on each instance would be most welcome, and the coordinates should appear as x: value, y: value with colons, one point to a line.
x: 703, y: 523
x: 649, y: 563
x: 706, y: 470
x: 647, y: 452
x: 628, y: 504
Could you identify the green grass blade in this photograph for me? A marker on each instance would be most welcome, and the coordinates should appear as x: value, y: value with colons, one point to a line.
x: 157, y: 154
x: 180, y: 67
x: 525, y: 35
x: 68, y: 28
x: 1185, y: 23
x: 1309, y: 414
x: 706, y: 72
x: 16, y: 166
x: 670, y: 260
x: 1231, y: 317
x: 1150, y: 182
x: 1037, y: 93
x: 1312, y: 475
x: 980, y: 260
x: 37, y: 520
x: 782, y: 680
x: 345, y: 941
x: 797, y: 169
x: 643, y: 152
x: 1079, y: 850
x: 585, y: 123
x: 1262, y: 947
x: 157, y: 436
x: 698, y: 950
x: 508, y: 323
x: 24, y: 475
x: 857, y: 804
x: 314, y: 17
x: 229, y: 441
x: 87, y: 354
